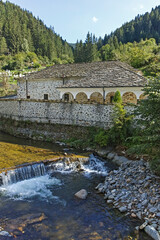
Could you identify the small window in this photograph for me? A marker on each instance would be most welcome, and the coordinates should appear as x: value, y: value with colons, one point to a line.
x: 28, y: 97
x: 111, y: 99
x: 66, y: 97
x: 45, y: 96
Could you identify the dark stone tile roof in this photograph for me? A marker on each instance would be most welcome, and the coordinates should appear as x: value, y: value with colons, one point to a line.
x: 95, y: 74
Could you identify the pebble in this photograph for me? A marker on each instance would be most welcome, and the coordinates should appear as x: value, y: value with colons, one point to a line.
x: 158, y: 214
x: 123, y: 209
x: 143, y: 225
x: 153, y: 210
x: 133, y: 215
x: 145, y: 202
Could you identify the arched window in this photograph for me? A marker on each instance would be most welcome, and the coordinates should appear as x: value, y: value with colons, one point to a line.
x: 129, y: 97
x: 109, y: 97
x: 142, y: 97
x: 81, y: 97
x: 67, y: 97
x: 96, y: 97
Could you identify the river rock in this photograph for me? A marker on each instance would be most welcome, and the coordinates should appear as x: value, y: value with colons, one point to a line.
x: 23, y: 221
x: 100, y: 185
x: 102, y: 152
x: 82, y: 194
x: 119, y: 160
x: 123, y: 209
x: 4, y: 233
x: 153, y: 210
x: 152, y: 232
x: 133, y: 215
x: 134, y: 189
x: 143, y: 225
x: 111, y: 155
x: 158, y: 214
x: 145, y: 202
x: 139, y: 215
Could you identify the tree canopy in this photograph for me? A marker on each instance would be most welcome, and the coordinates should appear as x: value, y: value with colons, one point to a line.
x: 20, y: 31
x: 146, y: 139
x: 142, y: 27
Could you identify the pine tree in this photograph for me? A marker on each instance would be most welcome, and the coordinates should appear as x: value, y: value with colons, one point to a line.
x: 147, y: 137
x: 3, y: 46
x: 21, y: 32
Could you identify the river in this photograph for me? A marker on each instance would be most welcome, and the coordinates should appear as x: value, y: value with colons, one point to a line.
x: 45, y: 208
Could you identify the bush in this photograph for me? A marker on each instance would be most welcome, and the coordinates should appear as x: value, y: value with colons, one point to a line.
x: 101, y: 138
x: 36, y: 65
x: 117, y: 97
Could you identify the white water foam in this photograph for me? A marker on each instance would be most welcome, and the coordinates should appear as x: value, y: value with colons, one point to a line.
x: 93, y: 166
x: 32, y: 188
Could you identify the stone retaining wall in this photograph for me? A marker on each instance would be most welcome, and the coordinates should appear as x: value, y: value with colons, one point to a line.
x: 57, y: 112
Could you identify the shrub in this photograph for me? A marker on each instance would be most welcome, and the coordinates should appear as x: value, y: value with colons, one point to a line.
x: 101, y: 138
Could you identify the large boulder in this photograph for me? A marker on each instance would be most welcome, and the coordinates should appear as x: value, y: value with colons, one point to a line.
x: 82, y: 194
x: 119, y: 160
x: 111, y: 155
x: 152, y: 232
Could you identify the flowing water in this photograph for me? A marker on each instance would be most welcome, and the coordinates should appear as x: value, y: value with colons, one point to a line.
x: 37, y: 203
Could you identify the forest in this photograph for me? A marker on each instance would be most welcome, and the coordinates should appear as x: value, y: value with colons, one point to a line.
x: 136, y: 43
x: 142, y: 27
x: 144, y: 55
x: 28, y: 42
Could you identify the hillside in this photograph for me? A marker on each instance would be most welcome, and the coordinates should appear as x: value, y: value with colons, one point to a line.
x: 142, y: 27
x: 136, y: 43
x: 21, y: 32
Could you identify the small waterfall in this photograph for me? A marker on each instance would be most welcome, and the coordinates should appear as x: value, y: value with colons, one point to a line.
x: 92, y: 166
x: 65, y: 165
x: 23, y: 173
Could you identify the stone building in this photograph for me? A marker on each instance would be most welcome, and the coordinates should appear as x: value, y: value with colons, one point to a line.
x: 94, y: 82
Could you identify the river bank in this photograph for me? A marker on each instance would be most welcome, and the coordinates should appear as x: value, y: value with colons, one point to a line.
x: 134, y: 190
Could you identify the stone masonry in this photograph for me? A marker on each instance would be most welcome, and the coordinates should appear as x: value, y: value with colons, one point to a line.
x: 57, y: 112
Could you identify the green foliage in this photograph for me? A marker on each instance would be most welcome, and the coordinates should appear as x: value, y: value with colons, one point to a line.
x: 147, y: 137
x: 117, y: 97
x: 27, y: 35
x: 36, y: 65
x: 122, y: 128
x: 144, y: 55
x: 142, y: 27
x: 86, y: 52
x: 101, y: 138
